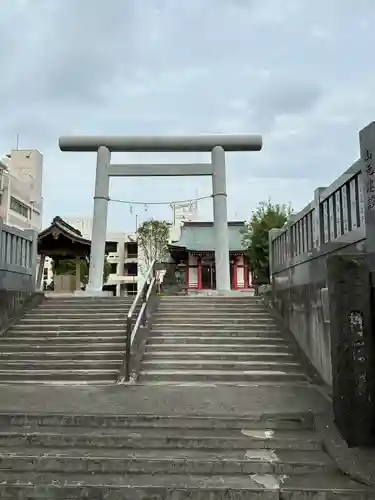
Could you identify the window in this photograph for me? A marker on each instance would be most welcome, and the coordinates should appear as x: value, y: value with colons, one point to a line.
x: 45, y: 273
x: 19, y: 207
x: 132, y: 249
x: 110, y: 247
x: 113, y: 269
x: 131, y: 269
x: 131, y: 288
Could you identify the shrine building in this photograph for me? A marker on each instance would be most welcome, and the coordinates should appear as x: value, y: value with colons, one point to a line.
x: 195, y: 256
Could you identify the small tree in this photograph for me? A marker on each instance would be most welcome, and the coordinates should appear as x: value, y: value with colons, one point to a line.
x: 68, y: 266
x: 255, y: 235
x: 153, y: 237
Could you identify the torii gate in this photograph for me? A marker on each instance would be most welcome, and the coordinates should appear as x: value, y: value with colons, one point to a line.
x: 217, y: 144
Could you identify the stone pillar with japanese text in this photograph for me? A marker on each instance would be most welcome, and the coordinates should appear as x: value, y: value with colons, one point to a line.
x: 352, y: 347
x: 351, y: 282
x: 367, y: 147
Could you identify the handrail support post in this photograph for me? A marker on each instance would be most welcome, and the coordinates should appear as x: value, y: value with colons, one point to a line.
x: 128, y: 348
x: 144, y: 301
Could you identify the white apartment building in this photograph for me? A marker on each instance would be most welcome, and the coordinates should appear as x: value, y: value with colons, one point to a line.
x: 21, y: 200
x: 122, y: 256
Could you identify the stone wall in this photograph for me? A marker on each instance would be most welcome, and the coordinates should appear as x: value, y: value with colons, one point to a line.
x: 334, y: 222
x: 18, y: 256
x: 18, y: 252
x: 13, y: 304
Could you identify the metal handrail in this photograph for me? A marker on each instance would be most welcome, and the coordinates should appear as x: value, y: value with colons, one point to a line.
x: 145, y: 292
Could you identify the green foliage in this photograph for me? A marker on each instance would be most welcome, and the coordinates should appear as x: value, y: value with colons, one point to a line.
x: 255, y: 235
x: 106, y: 270
x: 153, y: 238
x: 67, y: 266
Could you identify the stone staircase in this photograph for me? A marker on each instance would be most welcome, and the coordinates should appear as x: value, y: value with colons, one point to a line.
x: 220, y: 340
x: 66, y: 340
x: 270, y: 455
x: 143, y: 457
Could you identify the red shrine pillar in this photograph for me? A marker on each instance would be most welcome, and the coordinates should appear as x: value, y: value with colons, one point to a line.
x: 199, y: 272
x: 234, y: 274
x: 246, y: 274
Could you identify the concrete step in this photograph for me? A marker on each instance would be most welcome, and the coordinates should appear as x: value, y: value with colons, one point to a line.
x: 63, y: 375
x: 57, y: 333
x: 216, y: 355
x: 200, y: 299
x: 54, y: 343
x: 70, y: 355
x: 166, y: 461
x: 188, y: 319
x: 78, y: 310
x: 46, y: 486
x: 207, y: 343
x: 74, y: 321
x: 207, y: 331
x: 253, y: 334
x: 193, y: 348
x: 221, y: 375
x: 74, y: 314
x: 209, y: 364
x: 76, y: 344
x: 55, y: 364
x: 115, y: 302
x: 236, y: 335
x: 159, y: 438
x: 88, y: 300
x: 170, y: 384
x: 60, y: 327
x: 31, y: 486
x: 196, y: 308
x: 258, y: 421
x: 69, y: 306
x: 214, y: 325
x: 219, y: 314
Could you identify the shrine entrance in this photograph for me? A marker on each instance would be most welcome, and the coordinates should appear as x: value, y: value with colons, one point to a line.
x: 208, y: 273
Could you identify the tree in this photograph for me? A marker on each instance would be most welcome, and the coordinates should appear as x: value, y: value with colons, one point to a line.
x: 152, y: 237
x: 68, y: 266
x: 255, y: 235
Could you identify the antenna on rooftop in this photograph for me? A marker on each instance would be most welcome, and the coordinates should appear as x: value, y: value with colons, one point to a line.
x: 17, y: 141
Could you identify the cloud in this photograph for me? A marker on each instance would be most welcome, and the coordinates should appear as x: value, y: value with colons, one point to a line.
x: 301, y: 78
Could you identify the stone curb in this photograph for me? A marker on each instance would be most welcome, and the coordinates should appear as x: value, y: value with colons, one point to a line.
x: 358, y: 463
x: 34, y: 300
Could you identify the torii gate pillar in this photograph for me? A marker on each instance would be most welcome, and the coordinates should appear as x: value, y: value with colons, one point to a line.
x: 216, y: 144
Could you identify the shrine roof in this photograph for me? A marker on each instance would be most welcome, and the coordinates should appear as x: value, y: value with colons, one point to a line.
x: 62, y: 236
x: 199, y: 236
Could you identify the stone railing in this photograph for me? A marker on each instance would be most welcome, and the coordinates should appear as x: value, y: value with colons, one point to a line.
x: 334, y: 222
x: 18, y: 253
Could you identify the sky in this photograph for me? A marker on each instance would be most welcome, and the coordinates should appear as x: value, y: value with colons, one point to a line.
x: 299, y: 72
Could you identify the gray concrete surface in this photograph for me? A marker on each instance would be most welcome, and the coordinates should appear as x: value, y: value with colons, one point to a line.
x: 162, y: 400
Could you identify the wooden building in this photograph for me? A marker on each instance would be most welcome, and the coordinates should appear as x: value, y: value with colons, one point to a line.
x: 195, y: 256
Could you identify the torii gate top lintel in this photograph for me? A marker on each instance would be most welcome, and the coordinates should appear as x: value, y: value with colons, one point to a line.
x: 154, y: 144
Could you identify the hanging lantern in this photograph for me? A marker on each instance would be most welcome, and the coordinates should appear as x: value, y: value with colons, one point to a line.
x: 131, y: 209
x: 146, y: 207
